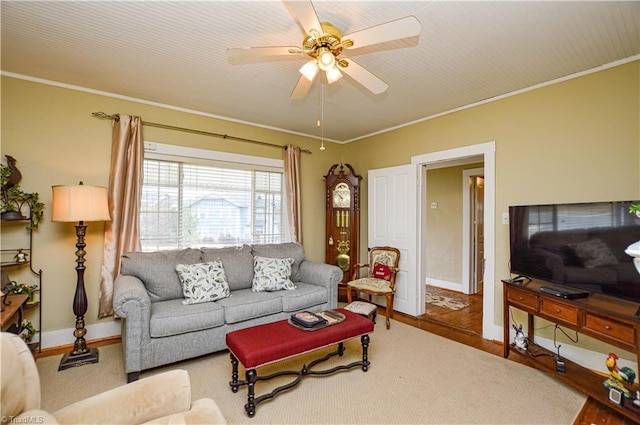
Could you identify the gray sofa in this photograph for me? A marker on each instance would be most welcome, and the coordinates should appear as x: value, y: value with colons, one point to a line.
x: 157, y: 328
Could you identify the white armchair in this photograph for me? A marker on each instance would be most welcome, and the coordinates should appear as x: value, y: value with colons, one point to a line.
x: 160, y: 399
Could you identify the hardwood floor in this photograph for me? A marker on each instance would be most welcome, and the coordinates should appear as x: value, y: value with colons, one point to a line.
x: 465, y: 326
x: 467, y: 319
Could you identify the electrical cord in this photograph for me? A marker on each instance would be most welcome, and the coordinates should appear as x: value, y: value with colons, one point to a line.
x: 561, y: 366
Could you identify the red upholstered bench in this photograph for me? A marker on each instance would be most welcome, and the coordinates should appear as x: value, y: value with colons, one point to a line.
x: 272, y: 342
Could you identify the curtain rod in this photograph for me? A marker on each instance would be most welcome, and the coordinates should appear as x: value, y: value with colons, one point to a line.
x: 200, y: 132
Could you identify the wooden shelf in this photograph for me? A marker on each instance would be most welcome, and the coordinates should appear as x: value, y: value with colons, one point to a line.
x: 581, y: 378
x: 10, y: 310
x: 8, y: 264
x: 607, y: 319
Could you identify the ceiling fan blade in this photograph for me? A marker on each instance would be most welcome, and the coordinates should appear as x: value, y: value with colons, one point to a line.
x: 244, y: 52
x: 364, y: 77
x: 408, y: 26
x: 305, y: 15
x: 302, y: 88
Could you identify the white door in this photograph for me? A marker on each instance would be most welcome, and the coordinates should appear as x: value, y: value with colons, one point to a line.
x: 393, y: 222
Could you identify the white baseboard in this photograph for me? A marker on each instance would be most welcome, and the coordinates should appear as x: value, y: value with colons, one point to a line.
x: 452, y: 286
x: 65, y: 336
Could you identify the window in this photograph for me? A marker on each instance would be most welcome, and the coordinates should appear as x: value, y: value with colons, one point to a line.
x: 188, y: 201
x: 577, y: 216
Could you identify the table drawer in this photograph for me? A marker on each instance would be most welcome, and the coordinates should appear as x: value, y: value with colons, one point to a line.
x: 611, y: 329
x: 560, y: 311
x: 524, y: 299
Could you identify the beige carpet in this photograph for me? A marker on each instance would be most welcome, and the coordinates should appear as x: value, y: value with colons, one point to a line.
x: 415, y: 378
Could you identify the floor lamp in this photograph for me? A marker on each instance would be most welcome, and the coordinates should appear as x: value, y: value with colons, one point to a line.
x: 79, y: 204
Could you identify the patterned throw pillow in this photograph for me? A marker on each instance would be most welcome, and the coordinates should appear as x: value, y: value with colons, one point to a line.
x: 203, y: 282
x: 272, y: 274
x: 594, y: 253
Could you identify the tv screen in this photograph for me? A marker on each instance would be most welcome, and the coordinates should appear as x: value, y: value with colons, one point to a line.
x: 581, y: 245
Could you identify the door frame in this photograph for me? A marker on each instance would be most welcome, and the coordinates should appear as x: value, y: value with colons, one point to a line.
x: 467, y: 246
x: 485, y: 153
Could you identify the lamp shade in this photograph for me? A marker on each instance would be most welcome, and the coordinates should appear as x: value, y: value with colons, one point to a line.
x: 309, y: 69
x: 80, y: 203
x: 326, y: 59
x: 333, y: 75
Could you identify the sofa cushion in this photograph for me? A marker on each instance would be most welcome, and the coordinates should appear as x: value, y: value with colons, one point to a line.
x: 617, y: 239
x: 596, y: 276
x: 283, y: 250
x: 237, y: 262
x: 245, y: 304
x: 157, y: 270
x: 627, y: 273
x: 272, y: 274
x: 173, y: 318
x: 305, y: 296
x: 550, y: 241
x: 203, y: 282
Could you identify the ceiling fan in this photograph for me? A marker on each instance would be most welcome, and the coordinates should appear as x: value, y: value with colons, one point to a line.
x: 323, y: 44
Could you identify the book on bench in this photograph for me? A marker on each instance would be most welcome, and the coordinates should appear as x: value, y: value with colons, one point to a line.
x: 308, y: 319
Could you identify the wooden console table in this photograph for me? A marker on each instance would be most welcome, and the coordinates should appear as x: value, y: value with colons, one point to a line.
x: 608, y: 319
x: 15, y: 306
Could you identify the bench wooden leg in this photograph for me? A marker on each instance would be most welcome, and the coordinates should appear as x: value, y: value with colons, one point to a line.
x: 250, y: 407
x: 234, y: 373
x: 365, y: 352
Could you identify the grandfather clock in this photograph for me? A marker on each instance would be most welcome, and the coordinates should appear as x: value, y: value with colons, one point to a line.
x: 343, y: 219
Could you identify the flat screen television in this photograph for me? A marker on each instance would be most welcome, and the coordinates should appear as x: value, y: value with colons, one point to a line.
x: 577, y: 244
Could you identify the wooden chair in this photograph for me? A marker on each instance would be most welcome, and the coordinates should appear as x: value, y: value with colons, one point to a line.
x: 380, y: 278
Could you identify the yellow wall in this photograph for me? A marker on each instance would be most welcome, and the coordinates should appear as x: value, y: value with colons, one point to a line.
x: 577, y: 140
x: 574, y: 141
x: 51, y: 133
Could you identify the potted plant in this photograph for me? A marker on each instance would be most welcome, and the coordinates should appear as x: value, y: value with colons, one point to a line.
x: 23, y: 288
x: 635, y: 209
x: 28, y: 331
x: 13, y: 199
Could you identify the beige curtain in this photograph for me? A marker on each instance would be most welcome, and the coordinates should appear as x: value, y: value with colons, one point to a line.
x: 122, y: 233
x: 292, y: 187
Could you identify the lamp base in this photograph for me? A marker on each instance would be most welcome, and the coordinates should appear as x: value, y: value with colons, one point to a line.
x: 73, y: 360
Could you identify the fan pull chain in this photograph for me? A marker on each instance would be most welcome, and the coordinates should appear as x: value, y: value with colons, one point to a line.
x: 321, y: 120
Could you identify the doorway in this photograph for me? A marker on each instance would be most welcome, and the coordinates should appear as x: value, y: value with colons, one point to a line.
x: 483, y: 154
x: 455, y: 245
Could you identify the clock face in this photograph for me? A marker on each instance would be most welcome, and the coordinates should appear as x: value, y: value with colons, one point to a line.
x: 341, y: 196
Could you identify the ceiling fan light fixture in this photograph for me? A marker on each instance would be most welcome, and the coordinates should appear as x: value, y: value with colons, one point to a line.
x: 333, y: 75
x: 326, y: 59
x: 309, y: 70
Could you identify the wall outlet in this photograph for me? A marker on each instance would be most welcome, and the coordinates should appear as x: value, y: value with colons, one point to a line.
x: 505, y: 218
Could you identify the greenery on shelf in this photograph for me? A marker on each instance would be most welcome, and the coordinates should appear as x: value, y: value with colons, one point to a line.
x: 23, y: 288
x: 13, y: 199
x: 28, y: 331
x: 634, y: 209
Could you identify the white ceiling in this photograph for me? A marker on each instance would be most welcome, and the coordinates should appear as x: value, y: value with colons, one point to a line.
x: 173, y: 53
